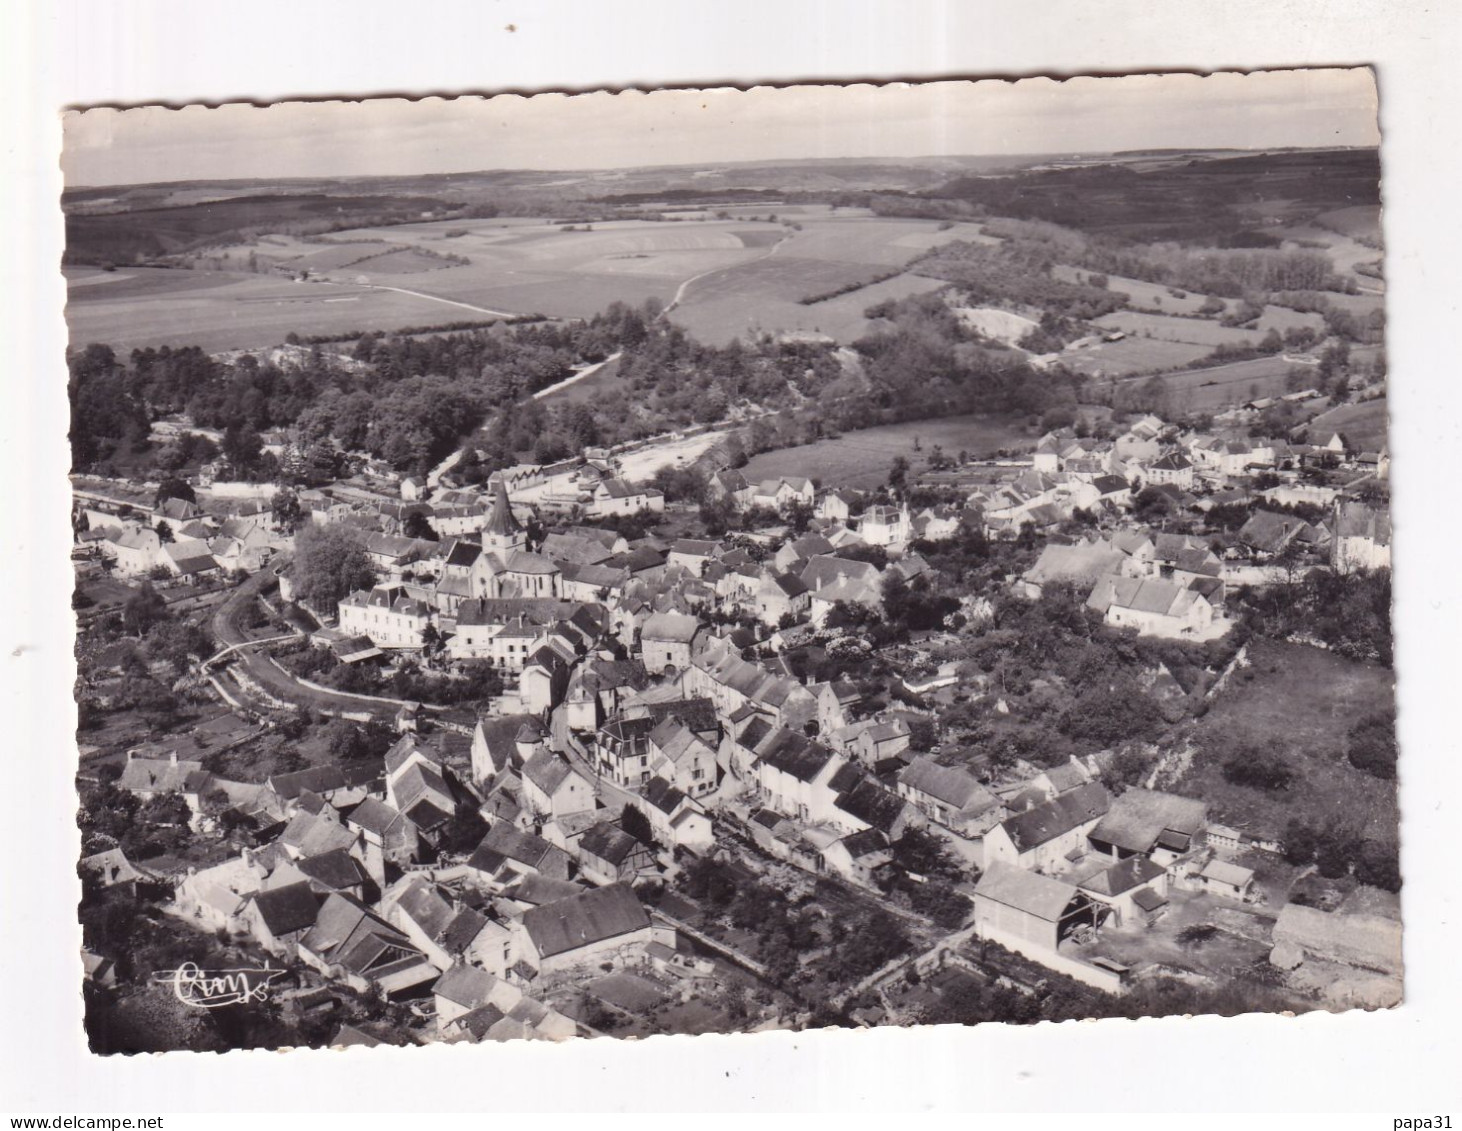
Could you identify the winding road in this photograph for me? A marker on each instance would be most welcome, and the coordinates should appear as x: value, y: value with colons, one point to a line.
x: 232, y: 639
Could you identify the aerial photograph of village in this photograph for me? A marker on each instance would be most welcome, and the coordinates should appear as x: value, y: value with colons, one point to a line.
x: 616, y: 582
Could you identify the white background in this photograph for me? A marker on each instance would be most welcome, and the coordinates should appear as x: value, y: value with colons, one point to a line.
x: 77, y: 53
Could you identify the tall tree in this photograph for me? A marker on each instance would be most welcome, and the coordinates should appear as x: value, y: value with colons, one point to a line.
x: 329, y: 564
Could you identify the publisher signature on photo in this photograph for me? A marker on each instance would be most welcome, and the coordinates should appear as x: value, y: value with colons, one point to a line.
x: 213, y: 989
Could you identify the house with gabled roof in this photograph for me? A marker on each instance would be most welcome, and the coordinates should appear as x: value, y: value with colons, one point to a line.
x: 1041, y: 838
x: 553, y: 788
x: 385, y: 836
x: 1152, y: 606
x: 1267, y: 533
x: 867, y: 804
x: 718, y: 672
x: 1174, y: 469
x: 146, y: 778
x: 353, y: 944
x: 336, y: 870
x: 873, y: 741
x: 112, y: 868
x: 1134, y: 890
x: 608, y: 855
x: 693, y: 554
x: 618, y: 497
x: 667, y: 642
x: 507, y: 853
x: 133, y: 550
x: 781, y: 596
x: 1225, y: 878
x: 681, y: 757
x: 953, y: 799
x: 622, y: 748
x: 605, y: 925
x: 422, y: 792
x: 313, y: 834
x: 783, y: 493
x: 677, y: 819
x: 860, y: 858
x: 1080, y: 563
x: 387, y: 615
x: 730, y: 484
x: 1361, y: 538
x: 794, y: 775
x: 214, y: 898
x: 278, y: 917
x: 463, y: 989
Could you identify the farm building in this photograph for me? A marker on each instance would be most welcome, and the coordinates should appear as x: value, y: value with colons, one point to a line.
x: 1146, y: 822
x: 1020, y: 907
x: 1133, y: 890
x: 1219, y: 877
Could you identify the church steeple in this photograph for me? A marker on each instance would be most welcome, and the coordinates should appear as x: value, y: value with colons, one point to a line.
x: 503, y: 532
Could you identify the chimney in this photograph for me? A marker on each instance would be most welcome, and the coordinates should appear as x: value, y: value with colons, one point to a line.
x: 172, y: 757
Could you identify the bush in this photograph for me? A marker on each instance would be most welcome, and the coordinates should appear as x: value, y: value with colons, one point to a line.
x: 940, y: 902
x: 1371, y: 746
x: 1378, y: 866
x: 1258, y: 769
x: 1196, y: 935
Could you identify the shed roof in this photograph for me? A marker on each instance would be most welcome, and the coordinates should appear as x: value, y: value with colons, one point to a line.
x: 568, y: 924
x: 1034, y: 894
x: 1140, y: 816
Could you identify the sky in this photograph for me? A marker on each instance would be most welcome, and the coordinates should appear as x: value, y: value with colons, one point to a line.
x: 1263, y: 110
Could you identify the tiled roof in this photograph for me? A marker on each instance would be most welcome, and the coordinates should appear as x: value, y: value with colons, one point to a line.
x: 594, y: 916
x: 1060, y: 815
x: 1036, y: 895
x: 1139, y: 816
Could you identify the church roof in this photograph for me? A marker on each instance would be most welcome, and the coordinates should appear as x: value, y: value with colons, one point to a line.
x: 501, y: 521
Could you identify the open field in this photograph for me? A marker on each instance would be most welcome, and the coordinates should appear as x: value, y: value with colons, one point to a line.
x: 1142, y: 296
x: 861, y: 459
x: 1359, y: 222
x: 762, y: 298
x: 219, y: 311
x: 1365, y: 425
x: 1282, y: 318
x: 1204, y: 390
x: 1132, y: 355
x: 843, y: 318
x: 728, y: 277
x: 1167, y: 327
x: 1303, y: 701
x: 999, y: 325
x: 1357, y: 304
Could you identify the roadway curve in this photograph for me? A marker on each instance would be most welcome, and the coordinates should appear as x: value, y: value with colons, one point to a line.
x: 229, y: 634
